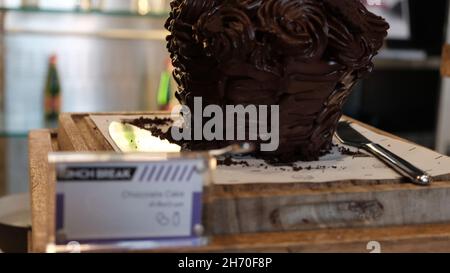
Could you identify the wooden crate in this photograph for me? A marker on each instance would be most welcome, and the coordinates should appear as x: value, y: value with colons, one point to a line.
x: 338, y: 216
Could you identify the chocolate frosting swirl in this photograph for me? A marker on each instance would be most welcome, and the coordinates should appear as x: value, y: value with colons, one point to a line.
x: 299, y: 25
x: 346, y: 47
x: 250, y: 4
x: 226, y: 32
x: 304, y: 55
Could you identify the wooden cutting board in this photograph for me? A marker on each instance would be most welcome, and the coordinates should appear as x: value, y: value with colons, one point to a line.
x: 235, y: 210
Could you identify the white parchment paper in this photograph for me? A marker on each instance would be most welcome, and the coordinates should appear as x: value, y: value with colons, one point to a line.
x: 332, y: 167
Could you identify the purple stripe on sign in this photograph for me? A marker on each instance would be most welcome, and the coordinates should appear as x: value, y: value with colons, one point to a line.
x: 59, y: 212
x: 144, y: 172
x: 150, y: 175
x: 158, y: 176
x: 168, y: 172
x: 174, y: 175
x: 183, y: 172
x: 197, y: 207
x: 190, y: 174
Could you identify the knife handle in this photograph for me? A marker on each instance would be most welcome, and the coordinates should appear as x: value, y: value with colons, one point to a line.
x: 400, y: 165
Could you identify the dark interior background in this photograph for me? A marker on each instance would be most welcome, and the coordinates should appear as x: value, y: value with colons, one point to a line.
x: 404, y: 100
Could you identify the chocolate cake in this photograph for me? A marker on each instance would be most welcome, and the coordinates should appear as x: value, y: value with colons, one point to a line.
x: 303, y: 55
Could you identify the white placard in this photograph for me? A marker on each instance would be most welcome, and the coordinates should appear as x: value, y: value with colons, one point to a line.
x: 107, y: 202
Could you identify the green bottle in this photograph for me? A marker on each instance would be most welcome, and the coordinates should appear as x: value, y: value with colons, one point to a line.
x: 52, y: 92
x: 164, y: 94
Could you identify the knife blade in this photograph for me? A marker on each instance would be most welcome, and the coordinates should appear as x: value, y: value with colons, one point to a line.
x: 351, y: 137
x: 347, y: 134
x: 129, y: 138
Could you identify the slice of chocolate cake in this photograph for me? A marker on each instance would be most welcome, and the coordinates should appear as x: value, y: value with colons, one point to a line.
x: 303, y: 55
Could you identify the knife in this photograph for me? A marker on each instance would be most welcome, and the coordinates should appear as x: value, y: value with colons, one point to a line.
x: 130, y: 138
x: 349, y: 136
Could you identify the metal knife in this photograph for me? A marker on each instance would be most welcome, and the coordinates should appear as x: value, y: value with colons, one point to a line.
x: 349, y: 136
x: 130, y: 138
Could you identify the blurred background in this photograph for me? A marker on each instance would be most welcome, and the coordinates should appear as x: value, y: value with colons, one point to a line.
x: 405, y: 94
x: 106, y: 55
x: 109, y: 55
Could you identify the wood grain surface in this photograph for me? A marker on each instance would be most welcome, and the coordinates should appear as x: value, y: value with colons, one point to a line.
x: 341, y: 216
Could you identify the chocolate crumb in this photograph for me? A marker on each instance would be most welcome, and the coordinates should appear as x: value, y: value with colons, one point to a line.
x: 346, y: 151
x: 147, y: 123
x: 228, y: 161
